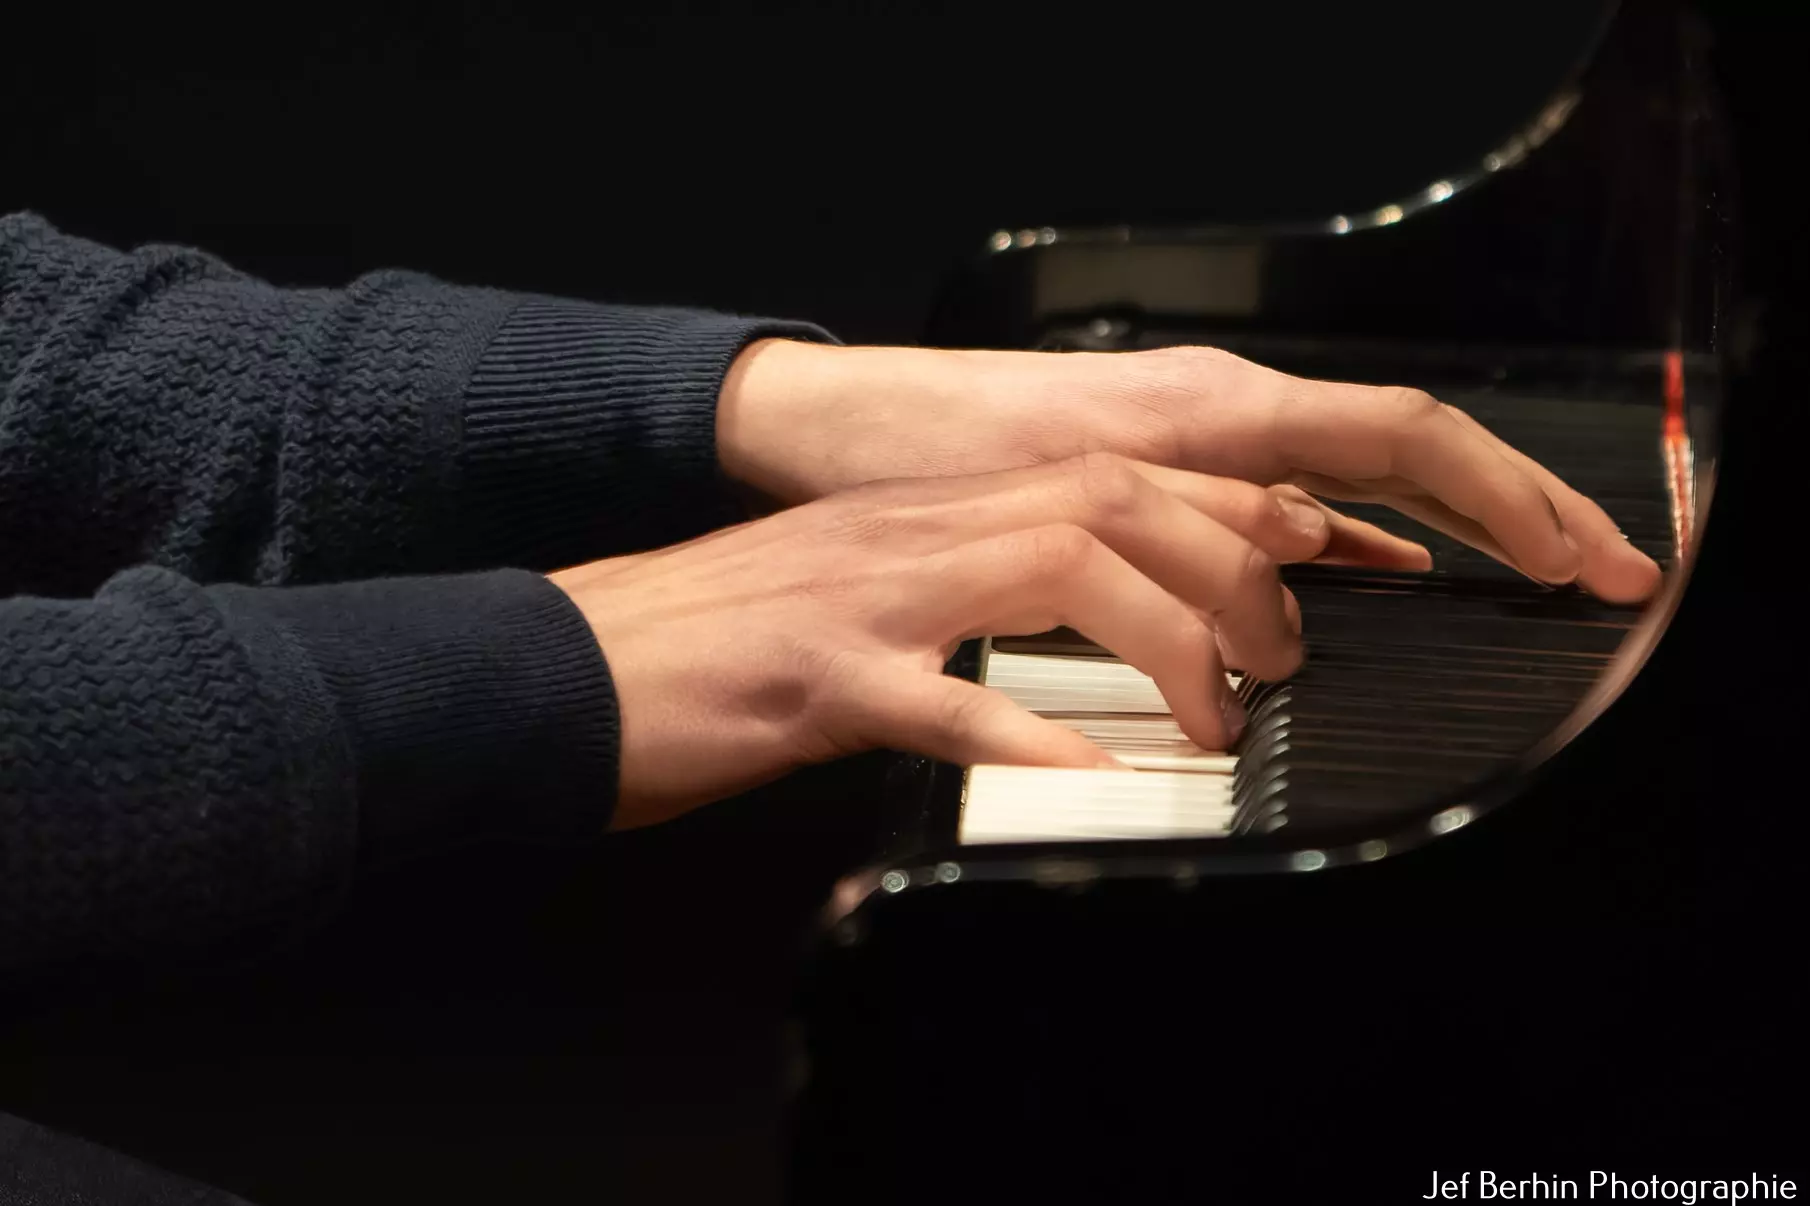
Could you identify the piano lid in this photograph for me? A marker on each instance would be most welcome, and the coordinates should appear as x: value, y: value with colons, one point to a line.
x: 1591, y: 219
x: 1269, y: 115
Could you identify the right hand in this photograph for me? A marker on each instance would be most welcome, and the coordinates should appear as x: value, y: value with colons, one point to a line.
x: 823, y: 631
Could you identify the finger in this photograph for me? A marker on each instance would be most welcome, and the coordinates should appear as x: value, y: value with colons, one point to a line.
x: 1361, y: 434
x: 1354, y: 542
x: 1405, y: 496
x: 1429, y: 511
x: 1187, y: 553
x: 1034, y: 580
x: 1473, y: 478
x: 957, y: 721
x: 1441, y: 518
x: 1288, y: 523
x: 1234, y: 663
x: 1613, y: 569
x: 1288, y: 526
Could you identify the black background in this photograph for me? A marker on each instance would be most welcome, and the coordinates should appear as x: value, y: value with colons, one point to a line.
x: 832, y: 163
x: 499, y: 1027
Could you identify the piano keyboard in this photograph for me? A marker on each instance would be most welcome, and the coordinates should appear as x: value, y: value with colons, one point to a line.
x: 1044, y: 804
x: 1174, y: 789
x: 1414, y: 685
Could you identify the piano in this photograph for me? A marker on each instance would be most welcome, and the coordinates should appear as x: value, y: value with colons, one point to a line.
x: 1416, y: 687
x: 1568, y: 285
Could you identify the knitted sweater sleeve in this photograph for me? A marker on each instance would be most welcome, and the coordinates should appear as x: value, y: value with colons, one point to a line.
x: 157, y: 407
x: 250, y: 636
x: 188, y: 770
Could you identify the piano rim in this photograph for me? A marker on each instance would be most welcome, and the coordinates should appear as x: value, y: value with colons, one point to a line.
x: 1510, y: 153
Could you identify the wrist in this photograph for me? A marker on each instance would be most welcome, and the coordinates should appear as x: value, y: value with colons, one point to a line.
x: 763, y: 416
x: 799, y: 420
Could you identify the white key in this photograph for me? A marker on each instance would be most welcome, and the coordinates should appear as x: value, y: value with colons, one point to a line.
x: 1045, y: 684
x: 1025, y: 803
x: 1196, y: 763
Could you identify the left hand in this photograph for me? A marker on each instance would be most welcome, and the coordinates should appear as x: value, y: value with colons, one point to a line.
x: 824, y: 630
x: 797, y: 421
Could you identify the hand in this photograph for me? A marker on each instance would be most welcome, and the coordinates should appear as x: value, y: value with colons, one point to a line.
x: 823, y: 630
x: 798, y: 421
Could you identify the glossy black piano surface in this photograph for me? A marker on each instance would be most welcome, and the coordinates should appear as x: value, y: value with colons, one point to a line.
x: 1600, y: 972
x: 1486, y: 782
x: 1421, y: 685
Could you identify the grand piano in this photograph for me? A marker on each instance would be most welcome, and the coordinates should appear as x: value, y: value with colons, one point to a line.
x: 1576, y: 957
x: 1360, y: 958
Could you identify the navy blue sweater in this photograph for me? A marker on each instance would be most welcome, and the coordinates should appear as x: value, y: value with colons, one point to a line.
x: 267, y: 608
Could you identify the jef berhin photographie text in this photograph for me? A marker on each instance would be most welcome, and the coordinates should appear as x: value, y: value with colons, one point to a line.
x: 1485, y: 1185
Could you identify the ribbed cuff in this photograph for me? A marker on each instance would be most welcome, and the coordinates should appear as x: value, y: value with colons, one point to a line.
x: 476, y: 705
x: 590, y: 430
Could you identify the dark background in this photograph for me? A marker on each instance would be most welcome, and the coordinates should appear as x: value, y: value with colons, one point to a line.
x: 832, y: 163
x: 503, y: 1027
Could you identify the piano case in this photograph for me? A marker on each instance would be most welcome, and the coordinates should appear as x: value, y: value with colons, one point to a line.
x: 1444, y: 747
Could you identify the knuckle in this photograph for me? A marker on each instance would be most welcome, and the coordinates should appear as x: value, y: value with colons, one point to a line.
x: 1405, y: 405
x: 822, y: 712
x: 798, y: 673
x: 1256, y: 509
x: 1532, y: 497
x: 833, y: 674
x: 1107, y: 483
x: 964, y: 711
x: 1256, y: 571
x: 1193, y: 356
x: 1194, y: 640
x: 824, y: 667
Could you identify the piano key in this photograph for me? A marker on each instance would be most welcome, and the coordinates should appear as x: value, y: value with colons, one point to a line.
x: 1048, y: 684
x: 1127, y: 730
x: 1021, y: 803
x: 1156, y: 742
x: 1200, y: 763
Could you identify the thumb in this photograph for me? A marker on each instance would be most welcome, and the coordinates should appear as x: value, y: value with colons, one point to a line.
x: 957, y: 721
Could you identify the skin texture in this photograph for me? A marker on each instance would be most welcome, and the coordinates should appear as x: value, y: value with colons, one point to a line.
x: 925, y: 497
x: 798, y: 421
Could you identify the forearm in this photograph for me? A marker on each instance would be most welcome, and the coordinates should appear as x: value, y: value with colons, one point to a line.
x: 184, y: 767
x: 157, y: 407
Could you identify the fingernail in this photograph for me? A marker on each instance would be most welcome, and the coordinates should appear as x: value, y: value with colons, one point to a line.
x: 1233, y: 711
x: 1577, y: 554
x: 1305, y: 518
